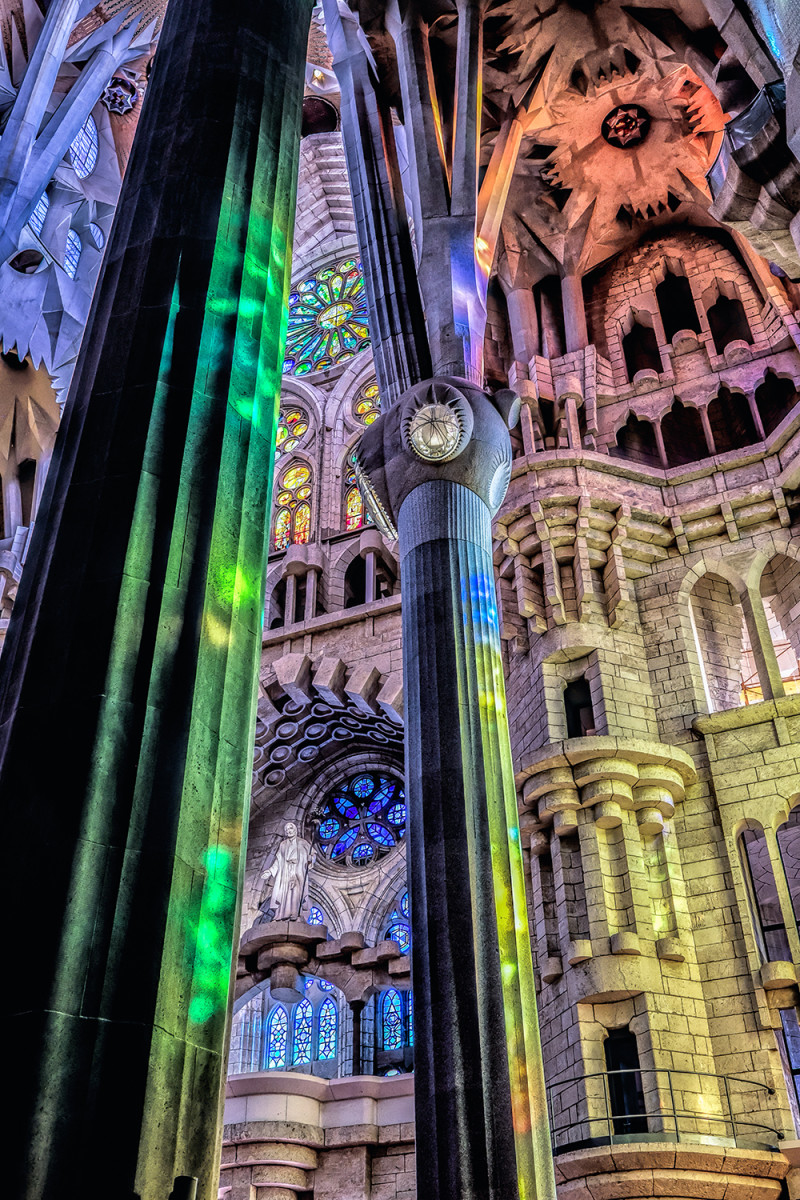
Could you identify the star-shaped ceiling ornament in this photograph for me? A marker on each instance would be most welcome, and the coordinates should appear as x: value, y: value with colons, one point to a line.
x: 626, y: 126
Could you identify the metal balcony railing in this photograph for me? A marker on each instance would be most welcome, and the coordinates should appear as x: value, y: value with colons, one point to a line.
x: 657, y: 1104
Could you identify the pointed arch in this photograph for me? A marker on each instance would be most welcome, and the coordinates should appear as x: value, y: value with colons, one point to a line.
x: 277, y: 1038
x: 327, y: 1036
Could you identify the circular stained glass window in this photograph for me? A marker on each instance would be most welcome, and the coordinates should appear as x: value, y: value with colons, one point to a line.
x: 367, y: 404
x: 327, y: 319
x: 361, y: 820
x: 292, y: 428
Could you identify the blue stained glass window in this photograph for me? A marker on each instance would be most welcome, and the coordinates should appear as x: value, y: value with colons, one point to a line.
x: 303, y: 1025
x: 392, y: 1020
x: 324, y: 985
x: 36, y: 219
x: 404, y: 907
x: 348, y: 832
x: 411, y: 1018
x: 392, y: 1071
x: 398, y: 932
x: 84, y: 149
x: 98, y: 237
x: 344, y: 844
x: 328, y: 1021
x: 380, y: 834
x: 72, y: 253
x: 277, y: 1038
x: 316, y: 916
x: 327, y: 321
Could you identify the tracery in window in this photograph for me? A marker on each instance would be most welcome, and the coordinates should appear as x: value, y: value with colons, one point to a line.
x: 362, y: 819
x: 292, y: 428
x: 277, y: 1038
x: 84, y: 149
x: 72, y: 253
x: 399, y: 927
x: 293, y: 508
x: 303, y: 1027
x: 367, y: 404
x: 326, y: 1038
x: 327, y: 319
x: 98, y: 237
x: 355, y: 514
x: 37, y: 217
x: 316, y: 916
x: 392, y: 1020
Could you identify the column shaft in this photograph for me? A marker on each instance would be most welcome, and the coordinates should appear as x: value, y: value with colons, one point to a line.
x: 134, y: 646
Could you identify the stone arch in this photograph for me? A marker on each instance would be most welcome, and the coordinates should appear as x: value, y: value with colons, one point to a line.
x: 636, y: 442
x: 775, y: 397
x: 683, y: 435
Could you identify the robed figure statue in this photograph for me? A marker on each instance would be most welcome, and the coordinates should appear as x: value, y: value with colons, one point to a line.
x: 289, y: 875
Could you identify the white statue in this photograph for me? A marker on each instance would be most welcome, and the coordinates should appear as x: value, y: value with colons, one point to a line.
x: 289, y: 873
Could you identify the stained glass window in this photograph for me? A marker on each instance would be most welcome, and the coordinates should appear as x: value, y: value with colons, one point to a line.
x: 292, y: 428
x: 367, y: 404
x: 399, y: 928
x: 36, y: 219
x: 324, y: 985
x: 84, y: 149
x: 72, y: 253
x: 362, y: 819
x: 354, y: 513
x: 277, y: 1038
x: 328, y: 1020
x: 293, y: 507
x: 303, y: 1025
x: 316, y: 916
x: 410, y: 1018
x: 98, y: 237
x: 327, y: 319
x: 392, y: 1020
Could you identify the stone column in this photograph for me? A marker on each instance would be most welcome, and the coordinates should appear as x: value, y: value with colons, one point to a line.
x: 135, y: 641
x: 438, y: 463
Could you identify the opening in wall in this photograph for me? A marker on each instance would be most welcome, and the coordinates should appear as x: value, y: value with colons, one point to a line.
x: 625, y: 1091
x: 578, y: 708
x: 728, y: 323
x: 26, y: 474
x: 641, y: 350
x: 636, y: 441
x: 789, y: 1045
x: 676, y: 305
x: 764, y: 900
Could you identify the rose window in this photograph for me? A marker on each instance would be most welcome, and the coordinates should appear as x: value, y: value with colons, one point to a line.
x: 361, y: 820
x: 327, y: 319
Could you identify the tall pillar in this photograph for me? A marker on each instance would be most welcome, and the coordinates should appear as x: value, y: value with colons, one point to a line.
x: 134, y: 647
x: 438, y: 465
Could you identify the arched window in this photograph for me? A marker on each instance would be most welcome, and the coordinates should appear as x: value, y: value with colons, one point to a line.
x: 72, y: 253
x: 293, y: 507
x: 399, y: 927
x: 641, y: 350
x: 789, y: 846
x: 316, y: 916
x: 367, y: 404
x: 84, y: 149
x: 728, y: 323
x: 636, y: 441
x: 767, y: 912
x: 327, y: 319
x: 682, y: 431
x: 303, y: 1024
x: 392, y: 1030
x: 361, y: 820
x: 37, y: 217
x: 676, y: 305
x: 328, y: 1027
x: 277, y: 1038
x: 292, y: 428
x: 97, y: 235
x: 355, y: 515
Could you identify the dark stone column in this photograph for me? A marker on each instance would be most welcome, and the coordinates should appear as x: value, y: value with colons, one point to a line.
x: 129, y: 675
x: 439, y: 463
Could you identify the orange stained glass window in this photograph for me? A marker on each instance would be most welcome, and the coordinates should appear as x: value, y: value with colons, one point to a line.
x: 293, y: 507
x: 367, y: 404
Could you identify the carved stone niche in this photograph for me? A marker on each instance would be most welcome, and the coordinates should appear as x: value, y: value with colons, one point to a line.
x: 607, y: 775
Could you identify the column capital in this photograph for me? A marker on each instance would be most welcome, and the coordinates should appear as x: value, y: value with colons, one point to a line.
x: 443, y: 429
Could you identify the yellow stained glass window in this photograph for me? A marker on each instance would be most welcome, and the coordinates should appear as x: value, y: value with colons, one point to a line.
x: 354, y: 509
x: 302, y: 522
x: 295, y: 477
x: 367, y: 404
x: 292, y: 428
x: 293, y: 507
x: 283, y: 529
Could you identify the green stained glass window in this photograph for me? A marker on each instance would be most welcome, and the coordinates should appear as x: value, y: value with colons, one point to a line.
x: 367, y: 404
x: 327, y: 319
x: 292, y: 507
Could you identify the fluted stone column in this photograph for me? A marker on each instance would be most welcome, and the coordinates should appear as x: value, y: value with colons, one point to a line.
x: 438, y: 463
x: 127, y: 702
